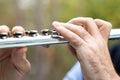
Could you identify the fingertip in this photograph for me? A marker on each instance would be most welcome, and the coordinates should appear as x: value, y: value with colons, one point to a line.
x: 56, y: 24
x: 18, y: 29
x: 4, y: 28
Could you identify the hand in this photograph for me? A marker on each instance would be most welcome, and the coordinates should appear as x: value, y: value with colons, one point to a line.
x: 88, y: 40
x: 13, y: 62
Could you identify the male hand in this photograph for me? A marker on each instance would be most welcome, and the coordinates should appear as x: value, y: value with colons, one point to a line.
x: 13, y: 62
x: 88, y: 41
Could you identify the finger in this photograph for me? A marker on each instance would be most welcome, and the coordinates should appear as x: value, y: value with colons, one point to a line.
x: 79, y: 30
x: 89, y: 24
x: 104, y: 28
x: 4, y: 28
x: 74, y: 39
x: 18, y: 29
x: 19, y: 54
x: 20, y: 61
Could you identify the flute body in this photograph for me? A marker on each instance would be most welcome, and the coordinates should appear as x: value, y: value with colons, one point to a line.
x: 45, y: 39
x: 30, y: 41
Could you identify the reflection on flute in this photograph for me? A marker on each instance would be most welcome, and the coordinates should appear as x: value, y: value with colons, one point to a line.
x: 46, y: 38
x: 114, y: 34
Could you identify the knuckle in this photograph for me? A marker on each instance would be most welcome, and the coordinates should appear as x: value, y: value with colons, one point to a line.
x: 97, y: 20
x: 108, y: 25
x: 73, y: 20
x: 74, y: 40
x: 83, y: 33
x: 27, y: 66
x: 89, y: 18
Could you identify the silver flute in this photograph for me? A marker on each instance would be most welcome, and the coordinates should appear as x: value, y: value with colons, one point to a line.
x: 34, y: 38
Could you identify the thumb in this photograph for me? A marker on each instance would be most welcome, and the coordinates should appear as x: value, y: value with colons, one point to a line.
x: 20, y: 61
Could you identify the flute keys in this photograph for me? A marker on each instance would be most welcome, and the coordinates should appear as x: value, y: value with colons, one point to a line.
x: 45, y: 32
x: 55, y: 34
x: 3, y: 35
x: 33, y: 33
x: 27, y: 33
x: 17, y: 34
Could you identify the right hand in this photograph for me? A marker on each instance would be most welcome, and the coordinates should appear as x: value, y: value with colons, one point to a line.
x: 89, y: 45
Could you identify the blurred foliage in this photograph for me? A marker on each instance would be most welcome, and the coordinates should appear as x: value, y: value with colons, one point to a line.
x: 104, y: 9
x: 6, y: 12
x: 45, y: 12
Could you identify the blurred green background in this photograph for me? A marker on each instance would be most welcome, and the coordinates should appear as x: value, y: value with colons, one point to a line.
x: 53, y: 63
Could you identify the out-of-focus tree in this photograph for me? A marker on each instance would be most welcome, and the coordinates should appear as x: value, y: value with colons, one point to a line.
x: 18, y: 13
x: 42, y: 57
x: 105, y: 9
x: 6, y: 13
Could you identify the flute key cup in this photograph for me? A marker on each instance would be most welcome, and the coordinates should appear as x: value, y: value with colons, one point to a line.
x: 18, y: 34
x: 3, y: 35
x: 45, y: 32
x: 33, y: 33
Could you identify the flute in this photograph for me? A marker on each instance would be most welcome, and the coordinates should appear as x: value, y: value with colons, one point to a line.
x: 34, y: 38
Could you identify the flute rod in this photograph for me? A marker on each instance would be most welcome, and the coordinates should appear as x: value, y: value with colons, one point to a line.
x: 42, y: 40
x: 114, y: 34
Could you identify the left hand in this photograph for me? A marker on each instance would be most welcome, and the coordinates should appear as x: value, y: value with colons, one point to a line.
x: 13, y: 62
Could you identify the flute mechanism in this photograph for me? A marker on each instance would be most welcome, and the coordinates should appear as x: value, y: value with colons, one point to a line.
x: 31, y: 38
x: 34, y: 38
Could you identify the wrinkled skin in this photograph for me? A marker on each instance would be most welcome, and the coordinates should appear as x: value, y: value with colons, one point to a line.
x: 13, y: 62
x: 88, y: 41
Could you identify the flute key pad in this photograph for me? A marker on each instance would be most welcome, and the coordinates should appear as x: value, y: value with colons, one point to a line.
x: 46, y: 32
x: 33, y: 33
x: 3, y: 35
x: 17, y: 34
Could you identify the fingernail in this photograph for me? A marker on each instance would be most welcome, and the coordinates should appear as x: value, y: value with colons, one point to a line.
x: 56, y: 24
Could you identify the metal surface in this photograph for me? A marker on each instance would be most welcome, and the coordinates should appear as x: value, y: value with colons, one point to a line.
x: 42, y: 40
x: 114, y: 34
x: 30, y: 41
